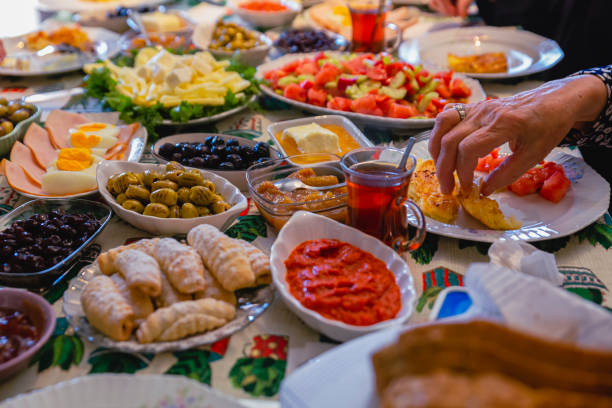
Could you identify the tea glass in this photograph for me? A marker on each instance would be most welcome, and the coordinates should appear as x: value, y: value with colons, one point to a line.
x: 368, y: 21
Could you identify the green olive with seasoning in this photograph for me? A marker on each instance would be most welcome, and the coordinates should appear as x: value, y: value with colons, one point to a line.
x: 200, y: 195
x: 164, y: 196
x: 13, y: 107
x: 175, y: 212
x: 189, y: 210
x: 149, y: 176
x: 121, y: 198
x: 183, y: 195
x: 19, y: 115
x: 3, y: 110
x: 137, y: 192
x: 7, y: 126
x: 190, y: 178
x: 3, y: 101
x: 203, y: 211
x: 157, y: 210
x: 133, y: 205
x: 156, y: 185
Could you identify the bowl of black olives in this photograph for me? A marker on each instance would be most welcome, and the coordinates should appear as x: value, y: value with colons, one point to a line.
x: 225, y: 155
x: 15, y: 118
x: 41, y: 239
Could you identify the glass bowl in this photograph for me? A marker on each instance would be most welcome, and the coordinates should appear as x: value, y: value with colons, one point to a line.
x: 46, y: 278
x: 277, y: 212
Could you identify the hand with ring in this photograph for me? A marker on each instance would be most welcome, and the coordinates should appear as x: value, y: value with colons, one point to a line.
x: 532, y: 122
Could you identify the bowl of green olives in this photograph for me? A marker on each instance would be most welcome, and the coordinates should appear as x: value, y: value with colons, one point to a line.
x: 166, y: 199
x: 15, y: 118
x: 228, y: 39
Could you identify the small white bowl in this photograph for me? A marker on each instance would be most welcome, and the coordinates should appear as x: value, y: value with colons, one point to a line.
x: 349, y: 126
x: 253, y: 56
x: 304, y: 226
x: 169, y: 226
x: 267, y: 19
x: 236, y: 177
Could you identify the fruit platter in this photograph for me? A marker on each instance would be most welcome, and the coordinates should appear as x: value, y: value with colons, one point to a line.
x: 372, y: 89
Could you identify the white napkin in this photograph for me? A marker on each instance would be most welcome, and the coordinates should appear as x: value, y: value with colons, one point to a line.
x: 527, y: 298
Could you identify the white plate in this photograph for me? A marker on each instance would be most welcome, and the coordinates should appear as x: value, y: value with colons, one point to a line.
x: 106, y: 46
x: 478, y: 94
x: 170, y: 226
x: 134, y: 152
x: 304, y: 226
x: 213, y: 118
x: 349, y: 126
x: 83, y: 5
x: 586, y: 200
x: 267, y: 19
x: 341, y: 377
x: 252, y: 303
x: 125, y: 391
x: 527, y: 53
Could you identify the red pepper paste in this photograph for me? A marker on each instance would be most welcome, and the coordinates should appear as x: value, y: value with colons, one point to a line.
x: 341, y: 282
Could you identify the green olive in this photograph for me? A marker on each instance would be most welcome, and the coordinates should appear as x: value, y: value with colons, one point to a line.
x: 203, y: 211
x: 7, y: 126
x: 175, y: 212
x: 200, y: 195
x: 157, y: 210
x: 3, y: 101
x: 121, y: 198
x: 156, y: 185
x: 190, y: 178
x: 173, y: 175
x: 29, y: 107
x: 19, y: 115
x: 183, y: 195
x: 171, y: 166
x: 13, y: 107
x: 188, y: 210
x: 149, y: 176
x: 209, y: 185
x: 2, y: 131
x: 122, y: 181
x: 219, y: 207
x: 165, y: 196
x: 137, y: 192
x: 3, y: 110
x: 133, y: 205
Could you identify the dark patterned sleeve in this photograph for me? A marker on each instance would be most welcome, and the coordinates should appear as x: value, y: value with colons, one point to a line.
x: 600, y: 133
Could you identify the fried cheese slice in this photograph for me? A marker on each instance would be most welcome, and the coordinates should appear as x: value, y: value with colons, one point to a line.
x: 486, y: 210
x: 424, y: 190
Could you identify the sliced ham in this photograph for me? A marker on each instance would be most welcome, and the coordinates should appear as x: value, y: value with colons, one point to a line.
x: 37, y: 139
x: 23, y: 156
x: 18, y: 179
x: 59, y: 122
x: 126, y: 132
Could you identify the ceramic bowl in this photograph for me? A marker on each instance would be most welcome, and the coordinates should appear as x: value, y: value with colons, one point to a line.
x: 236, y: 177
x: 7, y: 141
x: 267, y: 19
x: 41, y: 315
x: 305, y: 226
x: 170, y: 226
x: 47, y: 277
x: 253, y: 56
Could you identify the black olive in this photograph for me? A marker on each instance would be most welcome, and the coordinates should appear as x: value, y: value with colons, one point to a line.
x: 6, y: 251
x: 248, y: 153
x: 232, y: 142
x: 177, y: 157
x: 233, y: 149
x: 185, y: 161
x: 209, y: 141
x: 53, y: 240
x: 262, y: 149
x: 217, y: 141
x: 237, y: 161
x: 197, y: 162
x: 262, y: 160
x: 211, y: 161
x: 219, y: 151
x: 166, y: 150
x: 7, y: 268
x: 188, y: 150
x: 226, y: 166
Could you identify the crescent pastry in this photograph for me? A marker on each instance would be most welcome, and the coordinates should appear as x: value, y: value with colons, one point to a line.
x: 215, y: 290
x: 169, y: 295
x: 140, y: 271
x: 140, y: 303
x: 106, y: 260
x: 259, y: 261
x: 223, y: 256
x: 106, y: 309
x: 182, y: 265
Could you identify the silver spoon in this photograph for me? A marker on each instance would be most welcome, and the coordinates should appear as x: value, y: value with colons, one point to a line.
x: 406, y: 155
x: 288, y: 185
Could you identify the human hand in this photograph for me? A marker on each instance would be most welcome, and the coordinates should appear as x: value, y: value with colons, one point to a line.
x: 532, y: 122
x: 456, y: 8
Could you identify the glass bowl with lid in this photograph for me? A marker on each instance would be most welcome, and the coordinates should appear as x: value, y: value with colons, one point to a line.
x: 318, y: 170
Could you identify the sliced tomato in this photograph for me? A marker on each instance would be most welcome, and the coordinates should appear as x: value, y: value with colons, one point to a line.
x: 328, y: 73
x: 526, y: 184
x: 355, y: 66
x: 290, y: 67
x: 393, y: 68
x: 423, y: 77
x: 401, y: 111
x: 490, y: 161
x: 443, y: 91
x: 549, y: 168
x: 295, y: 92
x: 367, y: 105
x: 377, y: 74
x: 307, y: 68
x: 459, y: 89
x: 555, y: 187
x: 445, y: 76
x: 274, y: 75
x: 317, y: 96
x: 339, y: 103
x: 439, y: 103
x: 306, y: 84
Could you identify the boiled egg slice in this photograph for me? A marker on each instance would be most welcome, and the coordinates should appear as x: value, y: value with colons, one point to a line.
x: 97, y: 137
x: 73, y: 172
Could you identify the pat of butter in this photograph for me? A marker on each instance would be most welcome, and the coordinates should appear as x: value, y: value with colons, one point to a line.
x: 160, y: 22
x: 313, y: 138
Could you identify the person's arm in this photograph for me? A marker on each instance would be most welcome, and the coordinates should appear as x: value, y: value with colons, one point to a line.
x: 457, y: 8
x: 532, y: 122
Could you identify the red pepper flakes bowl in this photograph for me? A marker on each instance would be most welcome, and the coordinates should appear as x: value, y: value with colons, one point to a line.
x: 267, y: 19
x: 304, y: 226
x: 42, y: 316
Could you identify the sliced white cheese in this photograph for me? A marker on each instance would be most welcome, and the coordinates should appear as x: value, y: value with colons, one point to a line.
x: 179, y: 76
x: 313, y: 138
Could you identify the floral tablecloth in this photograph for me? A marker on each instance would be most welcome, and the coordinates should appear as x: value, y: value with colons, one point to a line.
x: 253, y: 362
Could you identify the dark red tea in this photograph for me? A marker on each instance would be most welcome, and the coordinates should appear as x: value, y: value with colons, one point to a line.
x: 370, y: 197
x: 368, y: 29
